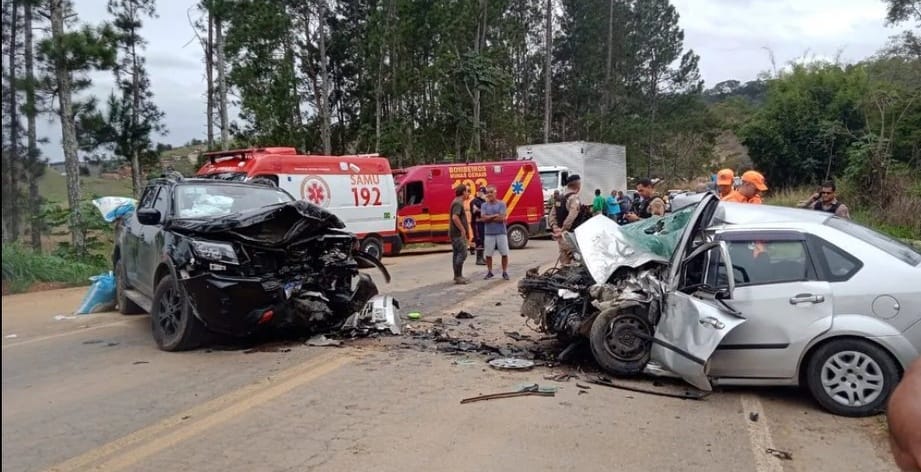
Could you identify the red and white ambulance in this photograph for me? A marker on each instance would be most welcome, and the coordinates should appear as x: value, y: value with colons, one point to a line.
x: 359, y: 189
x: 425, y: 193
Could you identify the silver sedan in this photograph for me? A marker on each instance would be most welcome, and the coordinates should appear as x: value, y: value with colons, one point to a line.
x: 763, y: 295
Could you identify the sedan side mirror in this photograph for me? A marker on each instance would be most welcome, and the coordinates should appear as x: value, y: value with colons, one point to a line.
x: 149, y: 216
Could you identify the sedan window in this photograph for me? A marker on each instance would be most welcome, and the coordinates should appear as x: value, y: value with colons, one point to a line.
x: 763, y: 262
x: 894, y: 248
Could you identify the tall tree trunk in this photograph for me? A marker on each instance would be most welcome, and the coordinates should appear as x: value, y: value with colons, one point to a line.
x: 136, y: 171
x: 480, y: 40
x: 68, y: 128
x: 324, y: 89
x: 34, y: 166
x: 548, y: 43
x: 221, y: 81
x: 12, y: 210
x: 209, y: 77
x: 606, y: 102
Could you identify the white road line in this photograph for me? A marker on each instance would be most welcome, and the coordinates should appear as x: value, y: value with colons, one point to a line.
x: 68, y: 333
x: 759, y: 434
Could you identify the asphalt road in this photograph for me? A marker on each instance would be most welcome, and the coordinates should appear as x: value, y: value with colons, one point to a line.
x: 93, y: 393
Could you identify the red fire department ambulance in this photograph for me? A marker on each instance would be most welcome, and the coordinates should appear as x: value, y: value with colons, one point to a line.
x: 359, y: 189
x: 425, y: 193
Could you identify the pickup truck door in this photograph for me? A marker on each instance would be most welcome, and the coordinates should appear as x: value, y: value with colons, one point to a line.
x: 133, y: 234
x: 150, y: 244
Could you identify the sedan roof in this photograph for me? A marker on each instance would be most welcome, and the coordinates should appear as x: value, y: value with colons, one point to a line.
x: 747, y: 214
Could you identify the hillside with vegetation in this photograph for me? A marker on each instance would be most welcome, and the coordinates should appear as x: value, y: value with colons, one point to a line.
x: 421, y: 82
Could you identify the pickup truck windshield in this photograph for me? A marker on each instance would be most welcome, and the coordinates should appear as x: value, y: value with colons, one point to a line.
x: 210, y: 201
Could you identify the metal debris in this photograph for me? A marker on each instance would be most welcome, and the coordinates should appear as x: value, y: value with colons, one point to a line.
x: 531, y: 390
x: 782, y: 455
x: 517, y: 336
x: 140, y: 362
x: 564, y: 377
x: 322, y: 340
x: 686, y: 395
x: 380, y: 313
x: 511, y: 363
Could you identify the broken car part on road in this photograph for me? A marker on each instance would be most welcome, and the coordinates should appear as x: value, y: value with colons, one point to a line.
x: 530, y: 390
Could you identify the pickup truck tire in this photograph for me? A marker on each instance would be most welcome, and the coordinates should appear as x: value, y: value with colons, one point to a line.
x: 517, y: 237
x: 125, y: 305
x: 174, y: 326
x: 613, y: 346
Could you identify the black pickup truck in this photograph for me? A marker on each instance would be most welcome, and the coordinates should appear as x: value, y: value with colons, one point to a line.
x: 205, y: 255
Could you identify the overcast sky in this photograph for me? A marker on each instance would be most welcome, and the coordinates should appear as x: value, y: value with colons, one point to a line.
x: 729, y: 35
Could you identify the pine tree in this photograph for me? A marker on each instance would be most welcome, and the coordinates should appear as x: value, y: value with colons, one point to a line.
x: 66, y: 57
x: 138, y: 117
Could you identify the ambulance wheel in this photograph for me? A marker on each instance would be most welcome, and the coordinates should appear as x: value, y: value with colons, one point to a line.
x: 373, y: 246
x: 517, y: 237
x: 397, y: 247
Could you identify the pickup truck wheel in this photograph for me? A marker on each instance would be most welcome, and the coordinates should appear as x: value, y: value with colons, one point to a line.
x: 174, y: 326
x: 517, y: 237
x: 125, y: 305
x: 851, y: 377
x: 615, y: 346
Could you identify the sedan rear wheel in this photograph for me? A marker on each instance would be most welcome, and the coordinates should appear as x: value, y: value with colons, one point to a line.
x: 851, y: 377
x: 174, y: 326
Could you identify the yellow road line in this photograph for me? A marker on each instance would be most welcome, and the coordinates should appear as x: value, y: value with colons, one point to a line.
x: 128, y: 450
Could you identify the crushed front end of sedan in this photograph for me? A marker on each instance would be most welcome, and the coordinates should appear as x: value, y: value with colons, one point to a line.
x: 288, y: 264
x: 613, y: 294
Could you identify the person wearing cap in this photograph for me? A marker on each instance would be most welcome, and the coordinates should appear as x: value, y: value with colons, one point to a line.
x: 750, y: 189
x: 567, y: 216
x: 724, y: 181
x: 477, y: 225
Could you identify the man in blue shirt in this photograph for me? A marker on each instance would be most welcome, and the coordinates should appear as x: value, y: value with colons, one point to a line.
x: 492, y: 213
x: 612, y: 206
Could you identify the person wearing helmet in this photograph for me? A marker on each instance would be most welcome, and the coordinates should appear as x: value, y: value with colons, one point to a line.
x: 750, y: 189
x: 724, y: 180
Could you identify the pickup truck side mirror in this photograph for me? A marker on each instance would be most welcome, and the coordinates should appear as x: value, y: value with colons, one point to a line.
x: 149, y: 216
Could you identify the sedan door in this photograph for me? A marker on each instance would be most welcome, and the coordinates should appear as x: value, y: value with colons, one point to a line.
x: 695, y: 319
x: 777, y: 290
x: 696, y: 316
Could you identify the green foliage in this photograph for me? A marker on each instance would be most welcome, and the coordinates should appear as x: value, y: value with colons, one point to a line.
x: 23, y: 267
x: 807, y: 123
x: 97, y: 234
x: 418, y: 81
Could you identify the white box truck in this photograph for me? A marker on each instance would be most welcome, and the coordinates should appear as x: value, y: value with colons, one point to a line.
x: 601, y: 166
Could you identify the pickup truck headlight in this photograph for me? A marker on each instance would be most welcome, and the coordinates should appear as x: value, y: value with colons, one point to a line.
x: 217, y: 252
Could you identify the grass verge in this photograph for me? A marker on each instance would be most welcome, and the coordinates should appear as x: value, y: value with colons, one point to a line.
x: 23, y: 268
